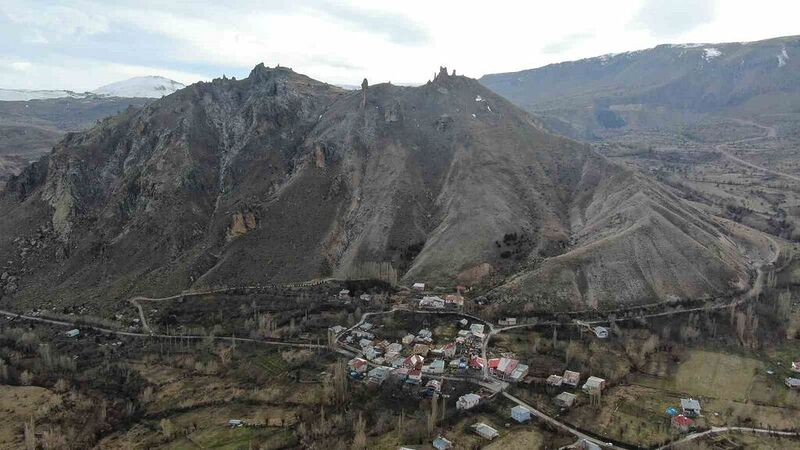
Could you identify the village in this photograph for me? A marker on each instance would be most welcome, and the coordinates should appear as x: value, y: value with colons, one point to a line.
x: 418, y: 352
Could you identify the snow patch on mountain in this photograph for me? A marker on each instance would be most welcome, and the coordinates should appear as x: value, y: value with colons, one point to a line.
x: 710, y: 53
x: 142, y: 87
x: 782, y: 57
x: 23, y: 95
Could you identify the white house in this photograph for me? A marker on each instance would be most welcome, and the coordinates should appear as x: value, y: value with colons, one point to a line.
x: 593, y: 384
x: 796, y: 366
x: 418, y: 287
x: 73, y: 333
x: 520, y: 413
x: 476, y: 328
x: 468, y: 401
x: 690, y: 407
x: 365, y: 297
x: 441, y: 443
x: 344, y: 294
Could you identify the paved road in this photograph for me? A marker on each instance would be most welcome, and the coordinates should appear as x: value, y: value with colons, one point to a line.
x: 63, y: 323
x: 715, y: 430
x: 554, y: 422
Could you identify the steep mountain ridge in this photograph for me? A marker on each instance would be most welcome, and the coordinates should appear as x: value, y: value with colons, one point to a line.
x: 279, y: 177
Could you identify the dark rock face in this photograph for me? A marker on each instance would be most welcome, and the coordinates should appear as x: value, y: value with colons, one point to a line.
x: 662, y: 87
x: 279, y: 177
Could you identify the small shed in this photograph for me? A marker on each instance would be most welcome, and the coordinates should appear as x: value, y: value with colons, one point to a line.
x: 235, y: 423
x: 792, y: 383
x: 565, y: 400
x: 441, y: 443
x: 344, y: 294
x: 690, y: 407
x: 521, y: 414
x: 485, y: 431
x: 601, y: 332
x: 571, y: 378
x: 418, y: 286
x: 365, y: 297
x: 73, y: 333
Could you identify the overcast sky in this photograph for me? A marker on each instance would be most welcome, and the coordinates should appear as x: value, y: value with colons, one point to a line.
x: 82, y: 44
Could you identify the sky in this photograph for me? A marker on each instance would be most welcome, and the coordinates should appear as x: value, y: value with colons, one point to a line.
x: 82, y: 44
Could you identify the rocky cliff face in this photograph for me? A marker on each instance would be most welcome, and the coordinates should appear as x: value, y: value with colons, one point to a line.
x: 279, y: 177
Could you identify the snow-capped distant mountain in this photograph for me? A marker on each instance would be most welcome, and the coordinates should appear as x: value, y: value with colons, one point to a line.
x: 141, y: 87
x: 23, y: 95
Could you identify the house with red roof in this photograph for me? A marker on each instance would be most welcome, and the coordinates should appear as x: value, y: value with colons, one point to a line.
x: 682, y: 423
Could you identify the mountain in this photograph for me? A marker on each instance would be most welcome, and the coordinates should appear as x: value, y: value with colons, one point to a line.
x: 279, y: 177
x: 29, y: 129
x: 140, y: 87
x: 23, y: 95
x: 669, y: 86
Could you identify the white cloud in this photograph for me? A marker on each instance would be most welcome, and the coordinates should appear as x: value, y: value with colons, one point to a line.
x: 20, y: 66
x: 343, y: 42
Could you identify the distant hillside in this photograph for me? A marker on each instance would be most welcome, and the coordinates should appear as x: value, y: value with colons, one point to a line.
x: 666, y: 86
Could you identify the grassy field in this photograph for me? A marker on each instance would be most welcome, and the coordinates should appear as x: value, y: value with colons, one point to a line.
x: 736, y: 441
x: 18, y: 404
x: 709, y: 374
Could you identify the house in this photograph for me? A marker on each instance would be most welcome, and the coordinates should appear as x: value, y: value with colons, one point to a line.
x: 358, y: 365
x: 485, y: 431
x: 431, y: 302
x: 555, y: 380
x: 463, y: 322
x: 508, y: 321
x: 520, y: 372
x: 476, y: 362
x: 73, y: 333
x: 421, y: 349
x: 690, y: 407
x: 344, y: 294
x: 425, y: 334
x: 365, y: 297
x: 586, y: 445
x: 413, y: 362
x: 364, y: 343
x: 235, y: 423
x: 468, y: 401
x: 449, y: 350
x: 441, y: 443
x: 418, y: 287
x: 407, y: 339
x: 796, y: 366
x: 571, y: 378
x: 521, y: 414
x: 565, y: 399
x: 600, y: 332
x: 476, y: 328
x: 454, y: 301
x: 414, y: 376
x: 594, y: 384
x: 433, y: 387
x: 792, y: 383
x: 682, y: 423
x: 437, y: 366
x: 378, y: 374
x: 394, y: 348
x: 371, y: 353
x: 366, y: 326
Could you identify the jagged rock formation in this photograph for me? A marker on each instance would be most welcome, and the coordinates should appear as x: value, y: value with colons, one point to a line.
x: 279, y: 177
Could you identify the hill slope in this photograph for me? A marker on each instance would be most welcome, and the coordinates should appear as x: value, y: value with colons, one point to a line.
x: 663, y: 87
x: 279, y: 177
